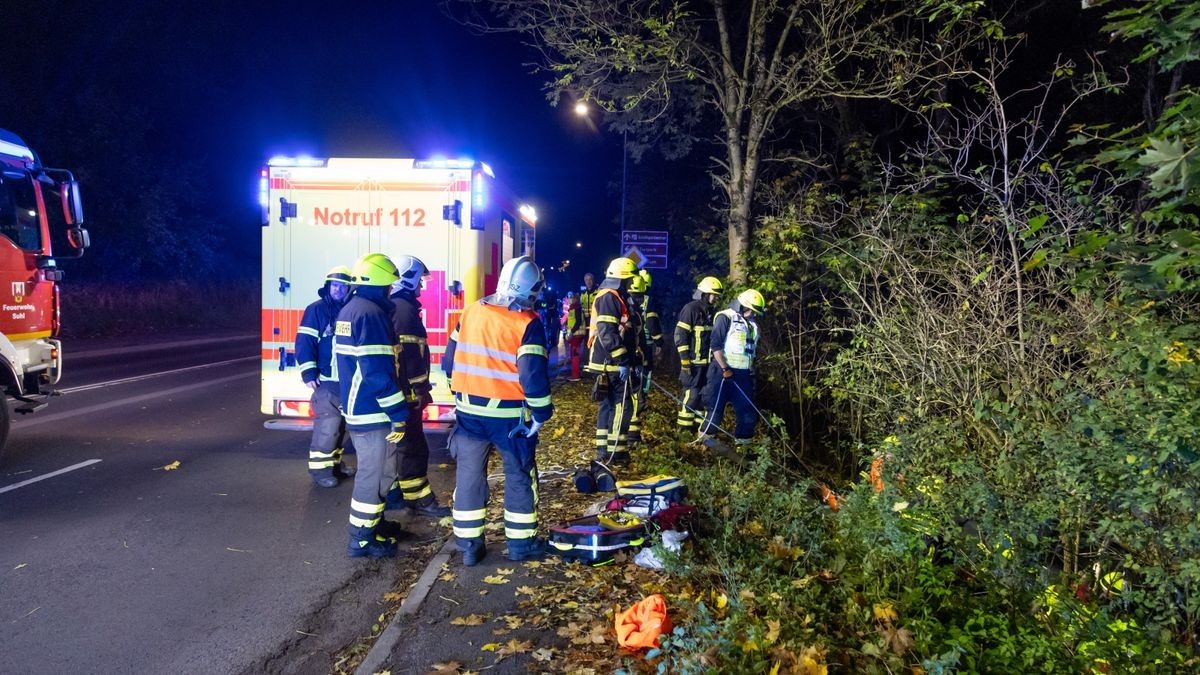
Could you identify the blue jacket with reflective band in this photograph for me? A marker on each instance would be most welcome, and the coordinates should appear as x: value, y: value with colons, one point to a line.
x: 372, y: 395
x: 314, y: 338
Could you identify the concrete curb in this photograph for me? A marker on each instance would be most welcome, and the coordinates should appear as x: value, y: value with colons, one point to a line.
x: 382, y: 649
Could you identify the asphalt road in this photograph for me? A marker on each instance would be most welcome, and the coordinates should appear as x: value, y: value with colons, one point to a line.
x: 117, y: 565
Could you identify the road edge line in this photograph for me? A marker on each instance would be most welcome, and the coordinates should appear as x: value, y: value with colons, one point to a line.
x: 382, y: 649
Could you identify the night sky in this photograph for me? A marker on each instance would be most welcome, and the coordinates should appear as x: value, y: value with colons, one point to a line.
x: 225, y: 85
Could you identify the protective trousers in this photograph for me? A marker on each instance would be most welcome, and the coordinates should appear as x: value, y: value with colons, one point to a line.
x: 613, y: 418
x: 691, y: 413
x: 376, y: 474
x: 329, y: 430
x: 638, y: 406
x: 470, y: 444
x: 574, y: 354
x: 412, y: 484
x: 735, y: 390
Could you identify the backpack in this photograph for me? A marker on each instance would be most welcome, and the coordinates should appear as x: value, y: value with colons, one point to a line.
x: 671, y: 488
x: 586, y: 540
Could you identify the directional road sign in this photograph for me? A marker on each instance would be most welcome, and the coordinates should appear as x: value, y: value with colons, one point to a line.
x: 647, y: 248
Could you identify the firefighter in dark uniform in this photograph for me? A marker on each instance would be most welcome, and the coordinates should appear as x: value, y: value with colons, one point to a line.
x: 314, y: 354
x: 375, y: 401
x: 613, y: 342
x: 650, y: 347
x: 412, y: 489
x: 691, y: 339
x: 731, y: 373
x: 497, y: 363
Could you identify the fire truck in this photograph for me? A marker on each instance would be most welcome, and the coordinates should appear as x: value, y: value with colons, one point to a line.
x: 41, y: 219
x: 317, y: 213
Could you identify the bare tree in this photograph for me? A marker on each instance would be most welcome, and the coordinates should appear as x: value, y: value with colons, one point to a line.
x: 650, y: 61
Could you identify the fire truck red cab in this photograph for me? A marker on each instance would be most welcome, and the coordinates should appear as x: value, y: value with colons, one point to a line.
x: 41, y: 218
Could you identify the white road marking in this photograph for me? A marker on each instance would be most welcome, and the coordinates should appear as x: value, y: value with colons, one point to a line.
x: 138, y: 378
x: 52, y: 474
x: 55, y: 417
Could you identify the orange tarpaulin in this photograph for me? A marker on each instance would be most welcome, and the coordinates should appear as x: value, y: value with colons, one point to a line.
x: 639, y: 626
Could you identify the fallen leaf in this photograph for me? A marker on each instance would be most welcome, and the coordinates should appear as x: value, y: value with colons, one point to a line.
x: 515, y: 647
x: 884, y: 612
x: 558, y: 433
x: 447, y: 576
x: 514, y: 622
x: 528, y: 590
x: 495, y: 579
x: 722, y: 601
x: 773, y: 628
x: 468, y: 620
x: 171, y: 467
x: 446, y: 668
x: 543, y: 654
x: 490, y: 647
x: 393, y: 596
x: 505, y: 571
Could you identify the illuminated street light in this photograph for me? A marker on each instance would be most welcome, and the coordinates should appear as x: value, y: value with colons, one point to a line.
x: 579, y: 244
x: 581, y: 109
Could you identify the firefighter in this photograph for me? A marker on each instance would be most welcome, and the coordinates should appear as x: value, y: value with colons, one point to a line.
x: 650, y: 342
x: 731, y: 373
x: 575, y: 331
x: 691, y: 340
x: 498, y: 368
x: 587, y: 297
x: 613, y: 345
x: 375, y: 401
x: 314, y: 353
x: 412, y: 490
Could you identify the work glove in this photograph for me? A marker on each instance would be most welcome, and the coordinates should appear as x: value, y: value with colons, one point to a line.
x: 533, y: 428
x: 397, y: 434
x: 623, y: 372
x: 727, y: 373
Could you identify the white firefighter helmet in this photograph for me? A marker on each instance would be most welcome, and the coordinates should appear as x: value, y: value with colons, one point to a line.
x: 410, y: 269
x: 520, y: 282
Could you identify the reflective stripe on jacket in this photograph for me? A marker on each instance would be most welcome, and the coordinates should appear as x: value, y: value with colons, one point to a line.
x: 314, y: 339
x: 692, y: 332
x: 372, y: 395
x: 412, y: 343
x: 497, y: 362
x: 738, y: 337
x: 611, y: 345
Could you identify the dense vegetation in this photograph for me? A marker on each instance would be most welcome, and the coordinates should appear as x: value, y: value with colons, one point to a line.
x: 982, y: 336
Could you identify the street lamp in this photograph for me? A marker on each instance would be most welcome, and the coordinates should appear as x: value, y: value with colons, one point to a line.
x: 581, y: 109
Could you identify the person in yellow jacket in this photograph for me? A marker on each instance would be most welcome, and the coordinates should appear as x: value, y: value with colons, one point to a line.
x: 498, y: 368
x: 575, y: 332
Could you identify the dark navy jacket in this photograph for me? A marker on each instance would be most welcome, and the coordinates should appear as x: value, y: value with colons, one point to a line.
x: 314, y: 338
x: 372, y: 396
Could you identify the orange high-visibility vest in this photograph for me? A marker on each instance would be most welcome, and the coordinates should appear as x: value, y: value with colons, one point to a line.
x: 485, y: 355
x: 595, y: 318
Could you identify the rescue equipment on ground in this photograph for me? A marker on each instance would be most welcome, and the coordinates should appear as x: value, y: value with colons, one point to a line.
x: 639, y: 626
x: 672, y: 488
x: 617, y: 520
x: 588, y: 540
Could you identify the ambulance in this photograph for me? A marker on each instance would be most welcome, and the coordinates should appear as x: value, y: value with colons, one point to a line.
x: 318, y: 213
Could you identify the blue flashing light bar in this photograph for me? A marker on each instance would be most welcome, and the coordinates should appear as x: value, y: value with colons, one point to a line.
x: 478, y: 193
x: 262, y: 189
x: 302, y: 160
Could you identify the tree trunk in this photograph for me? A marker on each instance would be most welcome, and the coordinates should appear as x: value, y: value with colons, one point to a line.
x: 739, y: 235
